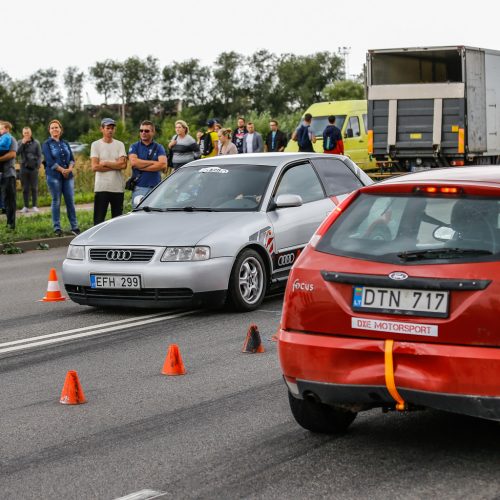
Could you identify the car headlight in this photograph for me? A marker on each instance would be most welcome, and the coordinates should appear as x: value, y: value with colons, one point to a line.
x: 76, y: 252
x: 185, y: 254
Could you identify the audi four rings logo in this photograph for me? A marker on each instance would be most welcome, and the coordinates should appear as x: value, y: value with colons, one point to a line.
x: 286, y: 260
x: 118, y: 255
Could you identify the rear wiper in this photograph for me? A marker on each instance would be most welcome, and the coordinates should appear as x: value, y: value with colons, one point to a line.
x: 149, y: 209
x: 442, y: 253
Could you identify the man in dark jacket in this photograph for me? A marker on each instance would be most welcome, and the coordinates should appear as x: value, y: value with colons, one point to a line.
x: 239, y: 134
x: 304, y: 135
x: 332, y: 138
x: 30, y: 158
x: 276, y: 140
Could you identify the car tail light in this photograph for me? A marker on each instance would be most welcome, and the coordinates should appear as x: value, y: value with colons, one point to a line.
x: 370, y: 142
x: 457, y: 163
x: 451, y: 190
x: 325, y: 225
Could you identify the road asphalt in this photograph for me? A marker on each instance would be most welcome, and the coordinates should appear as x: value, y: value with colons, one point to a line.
x: 223, y: 431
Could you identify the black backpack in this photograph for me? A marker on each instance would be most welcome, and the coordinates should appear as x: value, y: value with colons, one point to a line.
x: 303, y: 137
x: 330, y: 138
x: 206, y: 145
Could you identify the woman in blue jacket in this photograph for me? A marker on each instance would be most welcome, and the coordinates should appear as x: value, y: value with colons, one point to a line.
x: 59, y: 162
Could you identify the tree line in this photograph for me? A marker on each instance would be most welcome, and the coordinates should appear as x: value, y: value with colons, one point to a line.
x: 135, y: 89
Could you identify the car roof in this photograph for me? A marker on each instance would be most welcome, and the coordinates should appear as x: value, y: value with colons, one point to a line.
x: 270, y: 159
x: 471, y: 175
x: 337, y: 107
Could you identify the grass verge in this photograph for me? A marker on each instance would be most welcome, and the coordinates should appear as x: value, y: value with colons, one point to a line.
x: 39, y: 226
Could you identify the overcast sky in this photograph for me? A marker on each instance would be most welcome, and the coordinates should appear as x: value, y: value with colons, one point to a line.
x: 57, y: 33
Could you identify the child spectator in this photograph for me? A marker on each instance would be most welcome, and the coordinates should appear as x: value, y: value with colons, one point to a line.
x: 5, y: 138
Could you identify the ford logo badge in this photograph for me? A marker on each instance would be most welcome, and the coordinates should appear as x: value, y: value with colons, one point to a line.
x: 398, y: 276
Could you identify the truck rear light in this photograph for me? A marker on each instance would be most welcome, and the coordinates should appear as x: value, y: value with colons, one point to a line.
x: 457, y: 163
x: 370, y: 142
x: 461, y: 140
x: 439, y: 190
x: 325, y: 225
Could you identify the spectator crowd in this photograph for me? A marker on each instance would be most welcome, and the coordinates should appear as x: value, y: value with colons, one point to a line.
x: 147, y: 158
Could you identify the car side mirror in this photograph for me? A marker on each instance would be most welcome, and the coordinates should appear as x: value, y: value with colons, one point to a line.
x: 288, y: 200
x: 349, y: 133
x: 444, y: 233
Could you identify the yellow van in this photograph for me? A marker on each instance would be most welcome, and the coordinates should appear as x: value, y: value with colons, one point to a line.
x: 351, y: 119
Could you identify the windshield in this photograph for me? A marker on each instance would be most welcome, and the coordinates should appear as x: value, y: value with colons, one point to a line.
x: 319, y: 123
x: 226, y: 189
x: 416, y: 229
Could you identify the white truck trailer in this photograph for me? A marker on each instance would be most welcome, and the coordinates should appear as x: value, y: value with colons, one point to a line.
x: 433, y: 106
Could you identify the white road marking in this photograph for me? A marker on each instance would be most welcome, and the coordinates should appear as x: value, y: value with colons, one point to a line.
x: 142, y: 495
x: 17, y: 345
x: 76, y: 330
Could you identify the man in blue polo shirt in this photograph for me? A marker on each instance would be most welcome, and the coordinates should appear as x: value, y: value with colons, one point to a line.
x: 148, y: 159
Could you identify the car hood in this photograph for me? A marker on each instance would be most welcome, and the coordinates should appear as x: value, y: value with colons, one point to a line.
x: 161, y: 229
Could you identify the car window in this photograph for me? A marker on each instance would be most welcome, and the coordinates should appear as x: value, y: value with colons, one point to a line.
x: 337, y: 176
x: 365, y: 121
x: 387, y: 227
x: 319, y: 123
x: 222, y: 188
x: 354, y: 126
x: 302, y: 180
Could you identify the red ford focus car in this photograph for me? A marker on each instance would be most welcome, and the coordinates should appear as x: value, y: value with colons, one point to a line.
x: 395, y: 302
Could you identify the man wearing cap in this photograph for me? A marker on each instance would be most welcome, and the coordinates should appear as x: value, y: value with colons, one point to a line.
x: 214, y: 138
x: 108, y: 159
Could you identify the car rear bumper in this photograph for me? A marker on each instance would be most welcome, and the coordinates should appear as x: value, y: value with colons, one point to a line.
x: 351, y: 371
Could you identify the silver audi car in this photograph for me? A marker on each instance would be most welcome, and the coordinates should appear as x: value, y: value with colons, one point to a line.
x: 220, y: 230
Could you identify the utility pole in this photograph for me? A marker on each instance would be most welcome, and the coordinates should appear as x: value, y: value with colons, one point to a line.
x: 344, y: 54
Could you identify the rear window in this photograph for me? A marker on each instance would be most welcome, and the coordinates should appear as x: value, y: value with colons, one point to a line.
x: 416, y: 229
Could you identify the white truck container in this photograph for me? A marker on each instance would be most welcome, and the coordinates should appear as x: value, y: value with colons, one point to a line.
x: 434, y: 106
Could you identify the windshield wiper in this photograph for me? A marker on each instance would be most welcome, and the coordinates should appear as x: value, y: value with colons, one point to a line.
x: 149, y: 209
x: 175, y: 209
x: 442, y: 253
x: 197, y: 209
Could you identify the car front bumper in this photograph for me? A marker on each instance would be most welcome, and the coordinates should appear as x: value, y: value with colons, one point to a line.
x: 163, y: 284
x: 352, y: 371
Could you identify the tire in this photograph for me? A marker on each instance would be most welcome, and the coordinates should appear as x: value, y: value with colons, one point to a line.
x: 248, y: 281
x: 321, y: 418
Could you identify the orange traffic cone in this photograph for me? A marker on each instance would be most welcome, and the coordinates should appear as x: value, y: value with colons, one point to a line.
x: 72, y: 393
x: 173, y: 364
x: 53, y: 290
x: 253, y: 343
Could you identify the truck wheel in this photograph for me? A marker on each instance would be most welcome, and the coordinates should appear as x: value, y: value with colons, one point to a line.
x: 318, y: 417
x: 248, y: 281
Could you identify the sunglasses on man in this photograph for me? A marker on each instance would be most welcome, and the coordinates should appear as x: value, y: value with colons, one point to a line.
x: 144, y: 131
